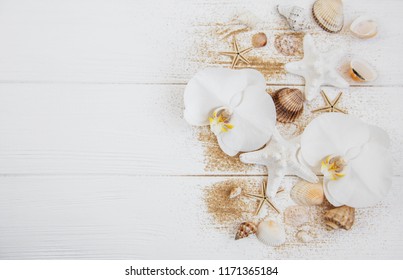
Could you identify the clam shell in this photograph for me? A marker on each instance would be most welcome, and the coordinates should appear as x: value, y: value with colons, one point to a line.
x: 271, y: 233
x: 362, y: 71
x: 295, y: 16
x: 307, y: 194
x: 259, y: 40
x: 341, y: 217
x: 245, y: 229
x: 329, y: 15
x: 364, y: 27
x: 296, y: 215
x: 289, y: 104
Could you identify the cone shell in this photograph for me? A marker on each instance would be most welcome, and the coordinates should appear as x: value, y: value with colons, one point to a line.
x: 307, y: 194
x: 289, y: 104
x: 271, y: 233
x: 341, y: 217
x: 329, y: 14
x: 245, y: 229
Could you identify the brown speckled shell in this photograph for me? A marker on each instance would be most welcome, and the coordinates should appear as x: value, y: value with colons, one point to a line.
x: 340, y: 217
x: 245, y: 229
x: 328, y: 14
x: 289, y: 104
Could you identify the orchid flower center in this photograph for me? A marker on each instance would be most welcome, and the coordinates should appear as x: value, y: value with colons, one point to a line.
x: 219, y: 121
x: 332, y: 167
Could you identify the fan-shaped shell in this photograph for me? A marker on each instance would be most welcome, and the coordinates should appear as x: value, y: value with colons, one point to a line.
x: 289, y: 104
x: 341, y: 217
x: 271, y: 233
x: 245, y: 229
x: 307, y: 194
x: 329, y: 15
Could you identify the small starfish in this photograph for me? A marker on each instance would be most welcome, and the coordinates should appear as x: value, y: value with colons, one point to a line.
x: 237, y: 54
x: 281, y: 157
x: 331, y: 106
x: 264, y: 198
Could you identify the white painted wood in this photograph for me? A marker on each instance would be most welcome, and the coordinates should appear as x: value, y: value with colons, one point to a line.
x: 124, y: 217
x: 136, y: 129
x: 124, y: 41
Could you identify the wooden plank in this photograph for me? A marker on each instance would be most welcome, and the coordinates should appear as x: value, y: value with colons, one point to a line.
x: 152, y: 42
x: 139, y: 130
x: 124, y: 217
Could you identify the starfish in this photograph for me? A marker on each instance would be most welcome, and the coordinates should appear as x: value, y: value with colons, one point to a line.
x: 264, y: 198
x: 281, y: 157
x: 331, y: 106
x: 317, y: 68
x: 237, y: 54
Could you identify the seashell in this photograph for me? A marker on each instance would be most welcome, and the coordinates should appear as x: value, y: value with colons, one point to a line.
x: 295, y: 16
x: 341, y: 217
x: 307, y: 194
x: 236, y: 191
x: 296, y: 215
x: 289, y: 104
x: 245, y: 229
x: 304, y: 236
x: 259, y: 40
x: 362, y: 71
x: 364, y: 27
x: 329, y: 15
x: 271, y: 233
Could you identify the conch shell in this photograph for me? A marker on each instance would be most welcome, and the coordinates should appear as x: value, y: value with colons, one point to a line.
x: 329, y: 15
x: 341, y: 217
x: 245, y: 229
x: 289, y: 104
x: 235, y: 104
x: 295, y: 16
x: 363, y: 147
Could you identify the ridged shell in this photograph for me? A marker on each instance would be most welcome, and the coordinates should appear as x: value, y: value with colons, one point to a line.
x: 296, y: 215
x: 295, y: 16
x: 271, y: 233
x: 245, y: 229
x: 289, y: 104
x: 307, y: 194
x: 329, y: 15
x: 341, y: 217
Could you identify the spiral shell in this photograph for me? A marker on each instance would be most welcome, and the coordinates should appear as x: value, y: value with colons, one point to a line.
x: 329, y: 15
x: 307, y: 194
x: 271, y: 233
x: 289, y: 104
x: 341, y: 217
x: 245, y: 229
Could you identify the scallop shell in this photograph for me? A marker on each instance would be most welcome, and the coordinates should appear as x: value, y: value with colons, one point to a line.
x: 304, y: 236
x: 296, y: 215
x: 289, y: 104
x: 364, y: 27
x: 307, y: 194
x: 295, y: 16
x: 329, y: 15
x: 245, y: 229
x: 236, y: 191
x: 362, y: 71
x: 341, y: 217
x: 271, y: 233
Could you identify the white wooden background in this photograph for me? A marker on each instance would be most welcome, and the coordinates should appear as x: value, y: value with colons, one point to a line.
x: 96, y: 160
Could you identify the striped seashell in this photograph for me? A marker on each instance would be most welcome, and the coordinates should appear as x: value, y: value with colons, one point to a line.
x: 245, y: 229
x: 340, y: 217
x: 307, y: 194
x: 329, y: 15
x: 271, y: 233
x: 289, y: 104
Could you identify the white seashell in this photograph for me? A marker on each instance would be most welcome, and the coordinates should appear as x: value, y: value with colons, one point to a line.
x: 362, y: 71
x: 271, y: 233
x: 241, y: 92
x: 304, y: 236
x: 364, y: 27
x: 295, y: 16
x: 296, y: 215
x: 236, y: 191
x: 365, y: 149
x: 329, y: 15
x: 307, y: 194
